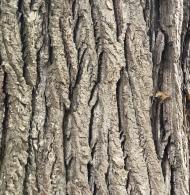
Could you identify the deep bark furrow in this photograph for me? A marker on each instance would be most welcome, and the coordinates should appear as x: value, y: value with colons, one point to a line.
x: 118, y: 16
x: 91, y: 124
x: 82, y: 109
x: 120, y: 113
x: 30, y: 145
x: 22, y: 36
x: 5, y: 119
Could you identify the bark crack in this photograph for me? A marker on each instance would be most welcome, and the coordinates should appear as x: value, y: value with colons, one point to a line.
x: 23, y: 37
x: 108, y: 173
x: 118, y: 18
x: 90, y: 136
x: 93, y: 18
x: 119, y: 101
x: 52, y: 169
x: 99, y: 76
x: 5, y: 119
x: 65, y: 140
x: 30, y: 145
x: 172, y: 181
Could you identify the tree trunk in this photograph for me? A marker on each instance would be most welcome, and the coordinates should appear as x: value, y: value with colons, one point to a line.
x: 95, y: 97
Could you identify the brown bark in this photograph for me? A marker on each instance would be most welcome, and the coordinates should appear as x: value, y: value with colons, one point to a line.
x: 94, y: 97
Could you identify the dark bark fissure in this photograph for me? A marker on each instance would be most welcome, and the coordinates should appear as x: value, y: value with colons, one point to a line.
x: 149, y: 180
x: 154, y: 22
x: 32, y: 2
x: 5, y: 119
x: 93, y: 18
x: 165, y: 157
x: 89, y: 168
x: 107, y: 177
x: 126, y: 52
x: 94, y: 88
x: 93, y: 147
x: 91, y: 123
x: 185, y: 25
x: 128, y: 180
x: 184, y: 57
x: 80, y: 68
x: 155, y: 120
x: 119, y: 104
x: 109, y: 171
x: 50, y: 51
x: 47, y: 114
x: 118, y: 18
x: 100, y: 66
x: 36, y: 154
x: 146, y: 12
x: 95, y: 189
x: 172, y: 181
x: 30, y: 146
x: 52, y: 169
x: 50, y: 48
x: 74, y: 5
x: 163, y: 121
x: 125, y: 162
x: 76, y: 28
x: 156, y: 14
x: 99, y: 76
x: 65, y: 140
x: 23, y: 38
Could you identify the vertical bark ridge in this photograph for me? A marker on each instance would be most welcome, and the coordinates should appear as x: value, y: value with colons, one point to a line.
x: 78, y: 110
x: 19, y: 108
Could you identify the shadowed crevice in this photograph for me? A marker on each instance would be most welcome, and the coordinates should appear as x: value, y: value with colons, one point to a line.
x: 99, y: 79
x: 90, y: 135
x: 118, y: 17
x: 91, y: 3
x: 77, y: 27
x: 108, y: 173
x: 30, y: 145
x: 5, y: 119
x: 24, y: 41
x: 119, y: 110
x: 65, y: 142
x: 165, y: 158
x: 74, y: 5
x: 52, y: 170
x: 172, y: 181
x: 95, y: 189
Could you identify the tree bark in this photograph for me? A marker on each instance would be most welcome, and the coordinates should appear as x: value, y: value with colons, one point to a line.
x: 95, y: 97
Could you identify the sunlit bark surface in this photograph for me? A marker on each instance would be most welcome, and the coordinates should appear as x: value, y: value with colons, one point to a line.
x: 94, y: 97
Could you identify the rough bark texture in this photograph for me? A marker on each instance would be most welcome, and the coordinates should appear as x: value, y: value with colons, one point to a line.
x: 94, y: 97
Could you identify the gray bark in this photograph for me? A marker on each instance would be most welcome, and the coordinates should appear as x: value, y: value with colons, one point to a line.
x: 95, y: 97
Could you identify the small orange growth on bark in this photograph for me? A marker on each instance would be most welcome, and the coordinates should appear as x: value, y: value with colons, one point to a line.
x: 163, y: 96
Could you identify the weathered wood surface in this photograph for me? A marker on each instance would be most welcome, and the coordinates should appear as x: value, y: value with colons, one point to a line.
x: 80, y: 112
